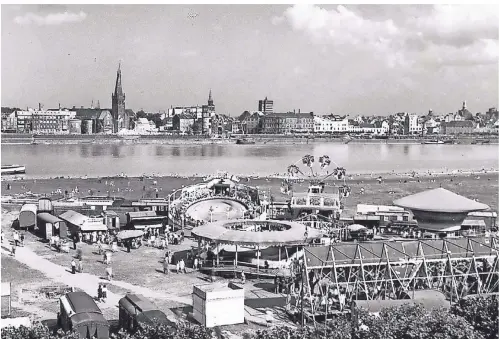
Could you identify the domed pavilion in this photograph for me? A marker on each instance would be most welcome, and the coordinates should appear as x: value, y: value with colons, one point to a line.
x: 439, y: 210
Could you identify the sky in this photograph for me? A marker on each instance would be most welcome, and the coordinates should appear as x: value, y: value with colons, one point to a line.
x: 340, y: 59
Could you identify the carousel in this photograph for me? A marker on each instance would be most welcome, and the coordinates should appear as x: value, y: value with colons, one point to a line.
x: 220, y: 197
x: 263, y: 247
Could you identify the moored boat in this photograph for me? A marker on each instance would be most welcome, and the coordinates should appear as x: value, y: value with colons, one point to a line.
x: 432, y: 142
x: 13, y: 169
x: 245, y: 142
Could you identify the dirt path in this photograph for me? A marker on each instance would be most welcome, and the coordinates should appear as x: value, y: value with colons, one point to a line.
x: 87, y: 282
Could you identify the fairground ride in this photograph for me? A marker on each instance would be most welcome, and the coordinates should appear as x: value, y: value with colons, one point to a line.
x: 316, y: 206
x: 392, y: 270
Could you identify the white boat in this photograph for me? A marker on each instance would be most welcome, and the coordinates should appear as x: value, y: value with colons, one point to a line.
x: 13, y: 169
x: 433, y: 142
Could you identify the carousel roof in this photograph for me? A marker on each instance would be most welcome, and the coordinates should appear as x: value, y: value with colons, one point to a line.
x: 439, y: 200
x: 293, y: 234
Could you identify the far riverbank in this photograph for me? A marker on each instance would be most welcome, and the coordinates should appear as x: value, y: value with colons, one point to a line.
x: 163, y: 139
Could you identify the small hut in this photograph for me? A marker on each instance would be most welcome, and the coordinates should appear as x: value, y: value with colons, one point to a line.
x: 49, y: 225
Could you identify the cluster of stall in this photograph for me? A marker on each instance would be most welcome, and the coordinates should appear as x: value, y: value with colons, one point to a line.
x: 41, y: 218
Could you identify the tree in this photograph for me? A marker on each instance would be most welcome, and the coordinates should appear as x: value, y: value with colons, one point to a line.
x: 481, y: 312
x: 141, y: 114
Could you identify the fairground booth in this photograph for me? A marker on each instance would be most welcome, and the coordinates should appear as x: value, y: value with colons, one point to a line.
x: 49, y: 225
x: 79, y: 312
x: 145, y: 220
x: 77, y: 222
x: 440, y: 211
x: 135, y: 311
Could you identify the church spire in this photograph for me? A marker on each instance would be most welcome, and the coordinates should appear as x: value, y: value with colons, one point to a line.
x: 210, y: 99
x: 118, y: 90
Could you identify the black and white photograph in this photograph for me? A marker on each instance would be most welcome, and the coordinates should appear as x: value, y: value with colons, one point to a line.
x: 249, y: 171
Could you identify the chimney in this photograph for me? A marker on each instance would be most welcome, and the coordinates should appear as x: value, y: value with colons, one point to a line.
x: 39, y: 106
x: 299, y: 111
x: 294, y: 111
x: 74, y: 107
x: 59, y: 106
x: 81, y: 106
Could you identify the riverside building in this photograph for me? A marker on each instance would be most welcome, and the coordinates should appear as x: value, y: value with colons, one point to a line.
x: 43, y: 121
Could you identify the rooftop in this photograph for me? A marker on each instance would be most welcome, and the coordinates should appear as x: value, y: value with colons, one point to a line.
x: 440, y: 200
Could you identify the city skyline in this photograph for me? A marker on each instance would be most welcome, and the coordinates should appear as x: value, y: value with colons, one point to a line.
x: 370, y: 60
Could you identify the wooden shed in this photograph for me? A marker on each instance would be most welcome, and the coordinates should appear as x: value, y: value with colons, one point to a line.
x: 50, y: 225
x: 78, y: 222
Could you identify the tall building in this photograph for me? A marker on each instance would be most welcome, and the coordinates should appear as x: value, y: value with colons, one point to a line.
x: 266, y: 106
x: 120, y: 118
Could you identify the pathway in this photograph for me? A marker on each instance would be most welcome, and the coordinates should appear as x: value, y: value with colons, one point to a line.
x: 89, y: 283
x: 85, y: 281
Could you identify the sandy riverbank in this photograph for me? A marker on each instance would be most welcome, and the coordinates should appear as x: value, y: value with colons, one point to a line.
x: 483, y: 186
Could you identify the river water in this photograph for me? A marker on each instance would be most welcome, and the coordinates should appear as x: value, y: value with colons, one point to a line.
x: 138, y: 159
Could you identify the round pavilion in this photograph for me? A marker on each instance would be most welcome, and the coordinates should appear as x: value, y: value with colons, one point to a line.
x: 256, y: 234
x: 439, y: 210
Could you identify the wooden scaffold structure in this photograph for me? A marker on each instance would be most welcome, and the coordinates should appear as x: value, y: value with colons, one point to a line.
x: 332, y: 276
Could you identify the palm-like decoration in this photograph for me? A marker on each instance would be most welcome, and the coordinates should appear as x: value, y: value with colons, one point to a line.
x: 324, y: 161
x: 308, y: 160
x: 339, y: 172
x: 293, y: 170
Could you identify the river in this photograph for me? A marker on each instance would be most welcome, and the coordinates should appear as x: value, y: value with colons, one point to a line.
x: 138, y: 159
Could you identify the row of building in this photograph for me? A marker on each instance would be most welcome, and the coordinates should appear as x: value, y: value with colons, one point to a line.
x: 204, y: 120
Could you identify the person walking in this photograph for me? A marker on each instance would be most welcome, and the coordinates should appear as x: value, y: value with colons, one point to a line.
x: 104, y: 292
x: 99, y: 293
x: 22, y: 239
x: 73, y: 266
x: 109, y: 272
x: 16, y: 238
x: 166, y: 265
x: 80, y: 266
x: 182, y: 266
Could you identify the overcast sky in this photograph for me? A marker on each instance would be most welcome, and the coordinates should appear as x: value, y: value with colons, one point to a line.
x: 326, y: 59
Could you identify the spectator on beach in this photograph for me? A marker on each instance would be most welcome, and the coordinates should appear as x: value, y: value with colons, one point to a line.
x: 80, y: 266
x: 73, y: 266
x: 196, y: 263
x: 74, y: 242
x: 178, y: 267
x: 13, y: 251
x: 22, y: 239
x: 2, y: 236
x: 182, y: 266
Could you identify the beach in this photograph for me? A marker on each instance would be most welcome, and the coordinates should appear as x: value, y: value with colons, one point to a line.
x: 482, y: 185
